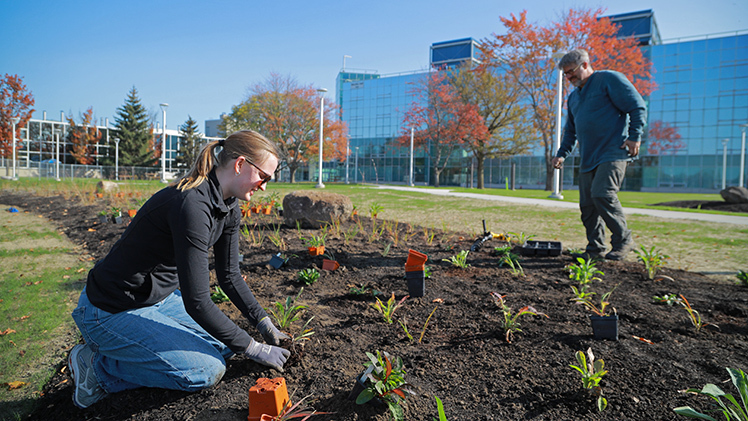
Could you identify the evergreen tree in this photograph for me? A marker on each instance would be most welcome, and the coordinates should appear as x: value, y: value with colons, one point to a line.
x: 134, y: 132
x: 189, y: 144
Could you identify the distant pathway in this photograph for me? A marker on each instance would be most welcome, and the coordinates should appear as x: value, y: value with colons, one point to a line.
x: 707, y: 217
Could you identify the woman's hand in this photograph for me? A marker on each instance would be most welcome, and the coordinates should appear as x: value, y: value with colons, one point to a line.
x: 269, y: 355
x: 269, y: 332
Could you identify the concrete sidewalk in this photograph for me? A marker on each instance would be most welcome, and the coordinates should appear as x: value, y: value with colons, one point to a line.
x: 706, y: 217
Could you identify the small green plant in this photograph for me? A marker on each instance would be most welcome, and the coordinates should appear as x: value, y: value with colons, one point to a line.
x: 730, y: 409
x: 694, y: 315
x: 304, y: 334
x: 404, y: 325
x: 668, y: 299
x: 308, y: 276
x: 386, y: 249
x: 116, y: 212
x: 460, y: 260
x: 277, y: 238
x: 520, y: 238
x: 742, y: 278
x: 427, y: 272
x: 287, y: 312
x: 599, y: 309
x: 511, y: 260
x: 653, y: 260
x: 423, y: 331
x: 502, y: 250
x: 374, y: 209
x: 584, y: 272
x: 388, y: 310
x: 103, y: 213
x: 510, y: 322
x: 592, y: 373
x: 385, y: 382
x: 315, y: 240
x: 297, y: 410
x: 219, y: 296
x: 440, y: 410
x: 428, y: 235
x: 350, y: 234
x: 363, y: 290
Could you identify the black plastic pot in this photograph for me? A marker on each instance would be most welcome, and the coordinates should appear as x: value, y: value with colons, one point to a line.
x: 541, y: 248
x: 277, y: 261
x: 103, y: 219
x: 416, y: 283
x: 117, y: 219
x: 359, y: 386
x: 605, y: 327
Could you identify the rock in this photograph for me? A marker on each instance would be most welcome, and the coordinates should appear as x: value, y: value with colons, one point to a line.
x: 735, y: 194
x: 105, y: 186
x: 314, y: 209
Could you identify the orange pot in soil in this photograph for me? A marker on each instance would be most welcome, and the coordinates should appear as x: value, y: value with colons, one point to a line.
x: 328, y: 264
x: 267, y: 209
x: 316, y: 251
x: 99, y: 195
x: 267, y: 398
x: 416, y: 261
x: 132, y: 212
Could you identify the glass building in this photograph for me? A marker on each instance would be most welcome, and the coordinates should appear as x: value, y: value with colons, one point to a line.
x: 695, y: 123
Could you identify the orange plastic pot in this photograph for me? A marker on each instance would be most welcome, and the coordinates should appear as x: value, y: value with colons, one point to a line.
x: 132, y: 212
x: 416, y: 261
x: 267, y: 398
x: 316, y: 251
x: 266, y: 210
x: 328, y: 264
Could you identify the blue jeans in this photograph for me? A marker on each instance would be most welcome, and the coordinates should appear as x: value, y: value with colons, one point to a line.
x: 598, y: 202
x: 157, y: 346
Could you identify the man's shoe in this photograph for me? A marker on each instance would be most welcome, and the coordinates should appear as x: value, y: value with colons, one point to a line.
x: 87, y: 388
x: 619, y: 253
x: 588, y: 256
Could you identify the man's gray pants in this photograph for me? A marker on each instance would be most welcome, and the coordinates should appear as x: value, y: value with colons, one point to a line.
x: 598, y: 201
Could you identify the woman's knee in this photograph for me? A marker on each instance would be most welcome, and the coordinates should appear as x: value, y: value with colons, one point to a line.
x: 203, y: 375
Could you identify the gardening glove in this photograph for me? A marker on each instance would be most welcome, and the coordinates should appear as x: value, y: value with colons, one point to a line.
x: 269, y: 332
x: 269, y: 355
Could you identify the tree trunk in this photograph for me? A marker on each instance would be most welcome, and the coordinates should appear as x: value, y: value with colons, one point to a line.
x: 292, y: 172
x: 437, y: 172
x: 481, y: 160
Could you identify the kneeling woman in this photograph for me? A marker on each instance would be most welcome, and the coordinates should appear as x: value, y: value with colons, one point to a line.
x: 146, y: 313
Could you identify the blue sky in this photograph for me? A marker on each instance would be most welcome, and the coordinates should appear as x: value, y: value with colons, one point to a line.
x: 202, y: 57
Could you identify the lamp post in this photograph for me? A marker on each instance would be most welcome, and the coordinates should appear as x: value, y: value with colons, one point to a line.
x: 15, y: 121
x: 412, y: 178
x: 163, y: 106
x: 116, y: 159
x: 321, y: 134
x: 724, y: 163
x: 355, y: 169
x: 57, y: 155
x: 743, y: 128
x: 559, y: 99
x: 347, y: 153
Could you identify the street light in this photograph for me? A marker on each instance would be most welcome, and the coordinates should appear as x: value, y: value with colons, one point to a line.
x: 724, y: 163
x: 347, y: 153
x: 57, y: 154
x: 559, y: 99
x: 355, y: 169
x: 163, y: 106
x: 412, y: 130
x: 15, y: 121
x: 116, y: 159
x: 321, y: 134
x: 743, y: 128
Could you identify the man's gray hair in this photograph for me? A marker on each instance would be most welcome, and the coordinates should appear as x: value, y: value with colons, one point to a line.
x: 574, y: 57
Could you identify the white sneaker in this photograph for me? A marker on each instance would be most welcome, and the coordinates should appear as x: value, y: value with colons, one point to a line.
x: 87, y: 389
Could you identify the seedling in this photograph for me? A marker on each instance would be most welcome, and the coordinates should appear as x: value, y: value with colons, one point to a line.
x: 592, y: 373
x: 521, y: 237
x: 502, y: 250
x: 298, y: 410
x: 440, y: 410
x: 363, y: 290
x: 350, y: 234
x: 598, y: 309
x: 219, y: 296
x: 694, y: 315
x: 388, y: 310
x: 742, y: 278
x: 308, y: 276
x: 305, y: 333
x: 653, y: 260
x: 277, y: 238
x: 512, y: 261
x: 730, y: 409
x: 668, y: 299
x: 584, y: 272
x: 315, y: 240
x: 385, y: 382
x: 386, y: 249
x: 287, y: 312
x: 460, y: 260
x: 374, y: 210
x: 510, y: 322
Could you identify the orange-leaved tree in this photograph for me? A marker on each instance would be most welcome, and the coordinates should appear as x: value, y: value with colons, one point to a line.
x: 663, y: 138
x: 84, y: 137
x: 15, y: 101
x: 506, y: 117
x: 288, y: 113
x: 442, y: 122
x: 526, y: 52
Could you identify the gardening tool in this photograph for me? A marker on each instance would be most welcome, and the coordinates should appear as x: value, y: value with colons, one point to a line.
x: 487, y: 235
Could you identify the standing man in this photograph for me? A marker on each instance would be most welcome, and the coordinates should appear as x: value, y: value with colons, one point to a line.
x: 606, y: 116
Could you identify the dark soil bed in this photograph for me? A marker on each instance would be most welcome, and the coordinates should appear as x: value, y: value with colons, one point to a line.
x: 717, y: 205
x: 464, y: 358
